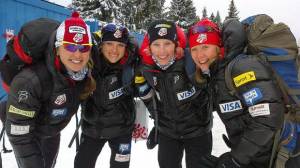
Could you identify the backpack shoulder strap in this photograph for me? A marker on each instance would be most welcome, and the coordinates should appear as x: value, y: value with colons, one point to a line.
x: 228, y: 78
x: 190, y: 66
x: 45, y: 79
x: 127, y: 78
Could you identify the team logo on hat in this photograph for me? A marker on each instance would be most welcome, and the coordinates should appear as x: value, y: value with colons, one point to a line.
x: 202, y: 38
x: 162, y: 32
x: 78, y: 38
x: 76, y: 29
x: 118, y: 34
x: 163, y: 25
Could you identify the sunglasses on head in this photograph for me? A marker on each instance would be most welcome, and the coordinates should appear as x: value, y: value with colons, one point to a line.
x: 74, y: 47
x: 114, y: 27
x: 202, y: 29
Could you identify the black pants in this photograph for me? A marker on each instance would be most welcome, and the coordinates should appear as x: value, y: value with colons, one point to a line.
x: 170, y: 151
x: 49, y: 150
x: 90, y: 148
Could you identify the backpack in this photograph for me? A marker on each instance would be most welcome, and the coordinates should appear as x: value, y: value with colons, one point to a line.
x: 27, y: 48
x: 276, y: 46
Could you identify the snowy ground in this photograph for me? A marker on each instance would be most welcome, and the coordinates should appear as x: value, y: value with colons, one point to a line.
x: 140, y: 158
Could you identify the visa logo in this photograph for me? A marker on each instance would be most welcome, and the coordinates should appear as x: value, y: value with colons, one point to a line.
x: 115, y: 94
x: 59, y: 112
x: 230, y: 106
x: 186, y: 94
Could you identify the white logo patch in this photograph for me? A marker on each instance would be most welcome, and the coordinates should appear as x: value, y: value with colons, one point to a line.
x: 77, y: 29
x: 259, y: 110
x: 61, y: 99
x: 154, y: 80
x: 78, y: 38
x: 118, y: 34
x: 201, y: 38
x: 176, y: 78
x: 113, y: 80
x: 163, y: 31
x: 19, y: 129
x: 124, y: 148
x: 186, y: 94
x: 122, y: 158
x: 116, y: 93
x: 230, y: 106
x: 22, y: 95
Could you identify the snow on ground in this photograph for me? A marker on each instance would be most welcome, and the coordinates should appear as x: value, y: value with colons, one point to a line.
x: 140, y: 156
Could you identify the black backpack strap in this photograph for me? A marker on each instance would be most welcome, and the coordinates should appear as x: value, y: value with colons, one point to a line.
x: 190, y: 66
x: 228, y: 78
x: 127, y: 78
x: 45, y: 79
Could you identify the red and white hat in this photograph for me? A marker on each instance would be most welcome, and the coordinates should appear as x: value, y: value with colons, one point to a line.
x: 73, y: 30
x: 204, y: 32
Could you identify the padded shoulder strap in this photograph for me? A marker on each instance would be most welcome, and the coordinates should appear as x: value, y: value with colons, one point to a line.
x: 127, y: 78
x: 45, y: 79
x: 228, y: 78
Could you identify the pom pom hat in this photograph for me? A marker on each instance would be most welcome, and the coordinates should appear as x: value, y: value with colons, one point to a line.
x: 73, y: 30
x: 204, y: 32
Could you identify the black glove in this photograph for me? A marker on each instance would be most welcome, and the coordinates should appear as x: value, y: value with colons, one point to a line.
x: 227, y: 161
x: 143, y: 89
x: 209, y: 161
x: 152, y: 139
x: 226, y: 140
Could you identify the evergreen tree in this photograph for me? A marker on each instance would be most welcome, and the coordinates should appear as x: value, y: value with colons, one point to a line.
x: 204, y: 13
x: 104, y: 10
x: 218, y: 18
x: 212, y: 17
x: 183, y: 12
x: 133, y: 13
x: 232, y: 11
x: 128, y: 12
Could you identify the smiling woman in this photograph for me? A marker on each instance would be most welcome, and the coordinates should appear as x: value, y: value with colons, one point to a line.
x: 44, y: 96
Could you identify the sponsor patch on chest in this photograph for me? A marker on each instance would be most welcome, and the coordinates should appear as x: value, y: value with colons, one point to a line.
x: 186, y: 94
x: 59, y: 112
x: 244, y: 78
x: 260, y: 110
x: 231, y: 106
x: 115, y: 94
x: 252, y: 96
x: 61, y: 99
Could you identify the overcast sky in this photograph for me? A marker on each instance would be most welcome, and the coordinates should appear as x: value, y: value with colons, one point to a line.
x: 287, y: 11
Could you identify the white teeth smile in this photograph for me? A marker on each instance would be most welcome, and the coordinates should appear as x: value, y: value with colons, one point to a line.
x: 76, y: 61
x: 203, y: 61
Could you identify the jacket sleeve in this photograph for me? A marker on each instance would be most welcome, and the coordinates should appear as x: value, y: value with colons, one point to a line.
x: 23, y: 106
x: 262, y: 100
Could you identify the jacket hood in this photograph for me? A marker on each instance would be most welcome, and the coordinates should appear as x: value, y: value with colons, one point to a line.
x: 234, y: 40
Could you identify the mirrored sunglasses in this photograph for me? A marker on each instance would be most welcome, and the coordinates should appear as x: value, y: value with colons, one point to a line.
x: 202, y: 29
x: 74, y: 47
x: 113, y: 27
